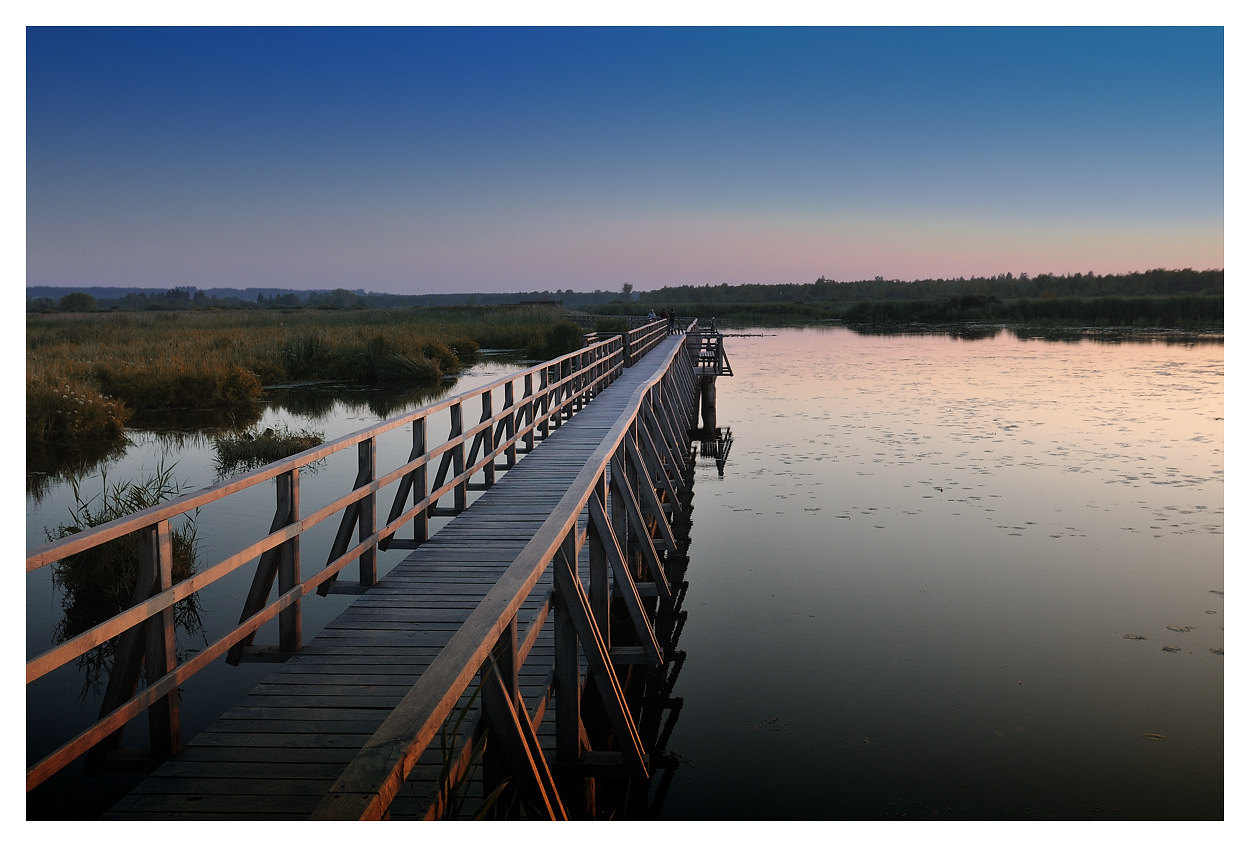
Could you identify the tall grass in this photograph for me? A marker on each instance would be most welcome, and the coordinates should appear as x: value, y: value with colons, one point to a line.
x: 97, y: 584
x: 121, y: 365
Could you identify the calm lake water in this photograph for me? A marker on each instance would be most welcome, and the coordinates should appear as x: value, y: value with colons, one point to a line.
x: 910, y: 591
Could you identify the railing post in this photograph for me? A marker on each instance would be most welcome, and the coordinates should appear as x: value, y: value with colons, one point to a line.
x: 545, y: 402
x: 503, y: 664
x: 631, y: 483
x: 367, y: 461
x: 619, y: 514
x: 461, y: 493
x: 488, y: 437
x: 529, y: 410
x: 568, y: 682
x: 559, y: 392
x: 509, y: 400
x: 156, y: 562
x: 600, y: 586
x: 579, y: 382
x: 290, y: 632
x: 420, y: 484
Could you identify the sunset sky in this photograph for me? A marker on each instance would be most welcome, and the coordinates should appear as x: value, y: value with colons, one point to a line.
x: 436, y: 160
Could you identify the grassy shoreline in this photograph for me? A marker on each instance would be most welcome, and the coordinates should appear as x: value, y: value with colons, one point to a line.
x: 89, y: 375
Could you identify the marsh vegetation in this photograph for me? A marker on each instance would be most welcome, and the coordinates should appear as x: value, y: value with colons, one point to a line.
x: 89, y: 376
x: 98, y: 583
x: 245, y: 451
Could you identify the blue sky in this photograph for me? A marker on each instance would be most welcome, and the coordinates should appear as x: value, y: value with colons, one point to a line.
x: 428, y: 160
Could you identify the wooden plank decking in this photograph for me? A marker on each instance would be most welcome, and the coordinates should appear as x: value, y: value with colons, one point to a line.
x: 277, y: 753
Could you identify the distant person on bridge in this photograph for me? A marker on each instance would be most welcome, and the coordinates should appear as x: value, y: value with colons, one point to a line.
x: 672, y: 322
x: 663, y: 315
x: 651, y: 315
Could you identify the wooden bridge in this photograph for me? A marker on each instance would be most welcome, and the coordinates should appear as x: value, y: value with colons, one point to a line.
x: 533, y: 634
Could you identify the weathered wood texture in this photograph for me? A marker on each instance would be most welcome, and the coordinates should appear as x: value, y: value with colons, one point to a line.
x: 282, y: 749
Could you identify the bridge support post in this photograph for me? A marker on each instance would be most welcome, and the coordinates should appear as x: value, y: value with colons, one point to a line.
x: 503, y: 665
x: 368, y: 513
x: 529, y: 413
x: 577, y: 792
x: 461, y: 492
x: 707, y: 398
x: 290, y: 632
x: 509, y: 394
x: 420, y: 487
x: 156, y: 559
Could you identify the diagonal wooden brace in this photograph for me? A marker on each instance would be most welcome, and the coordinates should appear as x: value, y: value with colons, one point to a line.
x: 342, y: 538
x: 640, y: 527
x: 266, y: 573
x: 531, y: 772
x: 670, y: 451
x: 658, y: 471
x: 672, y: 436
x: 413, y: 479
x: 625, y: 581
x: 649, y: 498
x: 601, y: 671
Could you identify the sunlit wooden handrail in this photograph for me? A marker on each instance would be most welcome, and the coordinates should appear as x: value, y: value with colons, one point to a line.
x: 644, y: 339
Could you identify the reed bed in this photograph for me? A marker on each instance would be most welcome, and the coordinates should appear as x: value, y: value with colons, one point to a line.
x: 97, y: 584
x: 118, y: 365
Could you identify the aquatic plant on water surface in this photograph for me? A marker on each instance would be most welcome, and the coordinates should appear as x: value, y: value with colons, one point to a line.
x: 245, y: 451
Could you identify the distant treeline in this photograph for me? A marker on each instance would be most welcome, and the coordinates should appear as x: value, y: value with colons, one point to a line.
x: 1003, y: 286
x: 1163, y: 298
x: 96, y: 299
x: 1181, y: 311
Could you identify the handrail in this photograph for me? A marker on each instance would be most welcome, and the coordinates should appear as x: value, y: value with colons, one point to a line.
x: 371, y: 780
x: 641, y: 341
x: 566, y: 384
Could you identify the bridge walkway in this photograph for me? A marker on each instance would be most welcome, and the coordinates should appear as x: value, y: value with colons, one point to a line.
x: 279, y: 751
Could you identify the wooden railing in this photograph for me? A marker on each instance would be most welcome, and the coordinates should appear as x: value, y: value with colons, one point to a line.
x: 641, y: 341
x: 551, y: 393
x: 625, y: 492
x: 708, y: 350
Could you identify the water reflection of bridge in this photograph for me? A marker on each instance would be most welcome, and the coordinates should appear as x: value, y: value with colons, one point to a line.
x: 547, y: 614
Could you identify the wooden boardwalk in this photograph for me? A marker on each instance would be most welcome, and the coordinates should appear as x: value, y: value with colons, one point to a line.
x: 278, y: 752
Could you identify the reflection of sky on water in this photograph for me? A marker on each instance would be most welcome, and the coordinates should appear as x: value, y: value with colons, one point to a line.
x: 911, y: 589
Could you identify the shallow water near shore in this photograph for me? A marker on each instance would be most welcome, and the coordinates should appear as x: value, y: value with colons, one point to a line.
x: 957, y: 578
x: 937, y: 579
